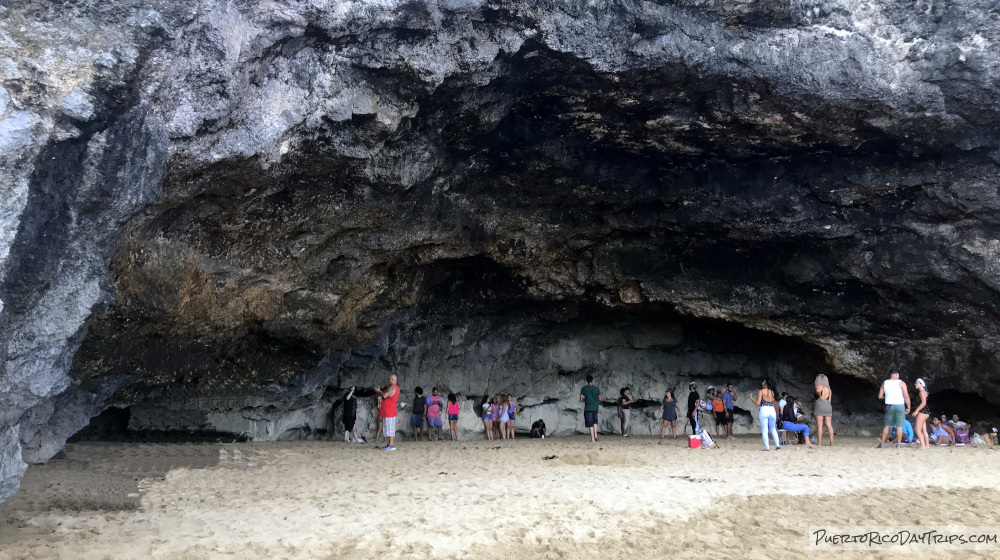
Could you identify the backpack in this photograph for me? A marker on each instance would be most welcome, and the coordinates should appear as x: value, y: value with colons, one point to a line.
x: 706, y: 440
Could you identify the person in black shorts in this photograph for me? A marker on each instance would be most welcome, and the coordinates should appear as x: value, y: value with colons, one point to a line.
x: 418, y: 414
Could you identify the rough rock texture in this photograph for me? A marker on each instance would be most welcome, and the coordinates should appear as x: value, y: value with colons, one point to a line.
x: 221, y: 213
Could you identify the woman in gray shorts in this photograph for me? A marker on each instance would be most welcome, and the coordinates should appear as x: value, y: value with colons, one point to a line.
x: 823, y: 408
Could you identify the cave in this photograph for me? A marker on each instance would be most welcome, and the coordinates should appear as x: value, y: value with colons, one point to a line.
x: 210, y: 234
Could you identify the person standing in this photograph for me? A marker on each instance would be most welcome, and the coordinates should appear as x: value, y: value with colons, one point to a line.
x: 387, y: 411
x: 767, y: 400
x: 824, y: 407
x: 417, y: 416
x: 590, y: 396
x: 511, y: 415
x: 504, y: 414
x: 350, y: 416
x: 378, y: 406
x: 453, y: 409
x: 434, y: 405
x: 670, y: 410
x: 719, y: 408
x: 729, y: 399
x: 625, y: 401
x: 897, y: 406
x: 692, y: 413
x: 487, y: 411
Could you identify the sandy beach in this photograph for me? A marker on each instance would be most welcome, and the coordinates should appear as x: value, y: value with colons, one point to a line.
x: 558, y: 498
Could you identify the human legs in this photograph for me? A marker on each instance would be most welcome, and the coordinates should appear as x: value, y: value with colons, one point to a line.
x: 590, y: 420
x: 768, y: 423
x: 389, y: 427
x: 820, y: 422
x: 921, y: 431
x: 763, y: 416
x: 793, y: 427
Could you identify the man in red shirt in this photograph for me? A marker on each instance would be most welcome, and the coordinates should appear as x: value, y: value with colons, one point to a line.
x: 387, y: 411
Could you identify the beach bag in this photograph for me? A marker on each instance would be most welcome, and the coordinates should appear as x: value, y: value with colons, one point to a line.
x: 706, y: 440
x: 961, y: 436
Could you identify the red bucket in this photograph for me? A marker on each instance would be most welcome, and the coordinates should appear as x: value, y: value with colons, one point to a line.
x: 694, y: 442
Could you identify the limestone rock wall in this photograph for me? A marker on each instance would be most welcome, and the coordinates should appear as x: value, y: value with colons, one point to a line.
x: 223, y: 212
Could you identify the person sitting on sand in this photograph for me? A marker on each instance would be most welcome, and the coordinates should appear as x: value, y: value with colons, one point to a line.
x: 537, y: 429
x: 670, y: 410
x: 961, y: 430
x: 908, y: 434
x: 790, y: 420
x: 941, y: 434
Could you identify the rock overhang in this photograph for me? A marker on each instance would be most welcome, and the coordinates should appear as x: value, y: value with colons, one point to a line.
x: 822, y: 171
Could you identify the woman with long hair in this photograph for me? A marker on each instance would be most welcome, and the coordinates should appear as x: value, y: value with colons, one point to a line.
x: 511, y: 413
x: 823, y: 408
x: 504, y: 415
x: 922, y: 413
x: 670, y: 410
x: 495, y: 412
x: 767, y: 400
x: 487, y: 412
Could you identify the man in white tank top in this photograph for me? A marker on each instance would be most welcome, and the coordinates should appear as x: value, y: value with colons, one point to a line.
x: 897, y: 406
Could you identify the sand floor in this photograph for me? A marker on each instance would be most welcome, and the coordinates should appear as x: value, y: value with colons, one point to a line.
x: 635, y: 498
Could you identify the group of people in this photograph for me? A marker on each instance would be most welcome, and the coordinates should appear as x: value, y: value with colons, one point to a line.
x: 498, y: 416
x: 775, y: 412
x: 896, y: 396
x: 426, y: 418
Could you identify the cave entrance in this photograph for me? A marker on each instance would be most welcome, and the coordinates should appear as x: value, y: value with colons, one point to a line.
x: 114, y: 424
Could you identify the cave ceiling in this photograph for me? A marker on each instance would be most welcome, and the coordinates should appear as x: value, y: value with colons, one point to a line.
x: 264, y: 193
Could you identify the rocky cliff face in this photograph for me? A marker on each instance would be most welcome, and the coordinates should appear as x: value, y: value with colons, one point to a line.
x: 222, y: 213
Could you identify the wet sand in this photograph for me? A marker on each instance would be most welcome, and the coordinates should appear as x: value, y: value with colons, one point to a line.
x: 557, y: 498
